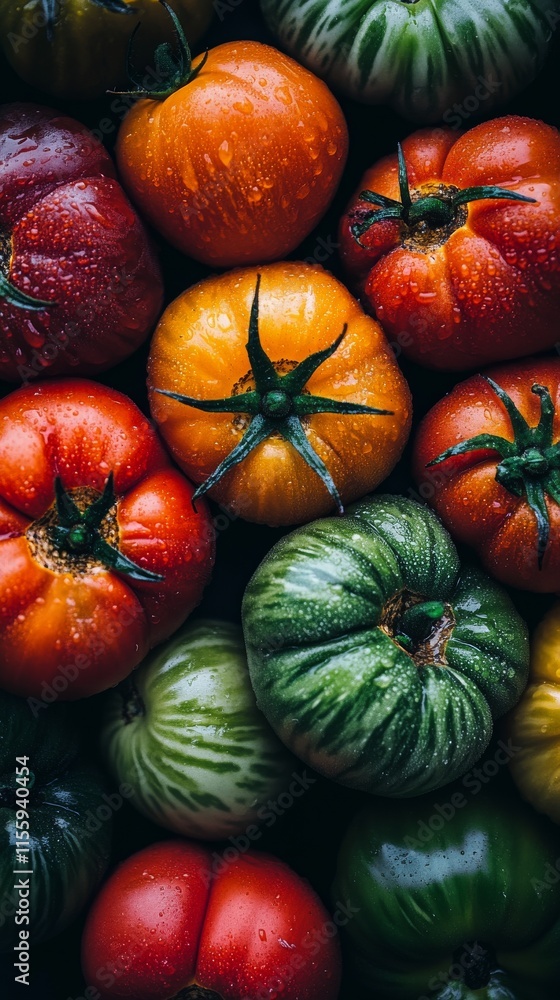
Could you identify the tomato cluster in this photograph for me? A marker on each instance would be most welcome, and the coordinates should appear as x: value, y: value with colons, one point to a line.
x: 362, y: 670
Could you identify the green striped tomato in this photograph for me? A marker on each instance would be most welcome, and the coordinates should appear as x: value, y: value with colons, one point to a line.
x: 185, y: 732
x: 421, y: 57
x: 375, y: 657
x: 69, y: 822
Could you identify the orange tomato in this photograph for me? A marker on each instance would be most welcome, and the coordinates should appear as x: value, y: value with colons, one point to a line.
x: 200, y: 350
x: 238, y: 165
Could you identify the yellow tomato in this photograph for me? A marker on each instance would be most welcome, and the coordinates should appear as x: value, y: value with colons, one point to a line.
x: 534, y: 725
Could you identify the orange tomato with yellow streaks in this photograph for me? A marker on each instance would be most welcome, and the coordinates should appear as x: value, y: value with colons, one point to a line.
x: 276, y: 393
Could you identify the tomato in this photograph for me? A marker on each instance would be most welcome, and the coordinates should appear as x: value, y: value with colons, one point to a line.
x: 427, y: 59
x: 377, y: 659
x: 534, y: 725
x: 61, y: 848
x: 457, y: 269
x: 77, y: 48
x: 80, y: 287
x: 237, y: 159
x: 453, y: 901
x: 101, y: 553
x: 185, y: 733
x: 489, y: 453
x: 315, y: 410
x: 172, y: 922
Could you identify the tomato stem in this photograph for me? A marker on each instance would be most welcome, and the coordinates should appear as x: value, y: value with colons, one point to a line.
x: 276, y: 405
x: 415, y: 209
x: 78, y: 532
x: 418, y: 621
x: 529, y: 466
x: 172, y: 70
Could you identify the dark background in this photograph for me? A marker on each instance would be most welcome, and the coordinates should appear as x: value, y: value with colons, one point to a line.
x: 309, y: 834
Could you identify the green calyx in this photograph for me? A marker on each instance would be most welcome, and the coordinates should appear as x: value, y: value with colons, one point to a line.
x: 277, y: 404
x: 429, y: 211
x: 418, y: 621
x: 530, y: 464
x: 78, y: 532
x: 173, y: 70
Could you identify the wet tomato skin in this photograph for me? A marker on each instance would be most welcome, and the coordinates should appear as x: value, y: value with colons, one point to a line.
x: 486, y: 289
x: 237, y: 166
x: 463, y: 489
x: 75, y: 625
x: 170, y: 917
x: 69, y: 237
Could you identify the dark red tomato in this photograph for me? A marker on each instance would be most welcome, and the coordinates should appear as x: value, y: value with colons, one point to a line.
x: 173, y: 922
x: 80, y: 287
x: 101, y: 552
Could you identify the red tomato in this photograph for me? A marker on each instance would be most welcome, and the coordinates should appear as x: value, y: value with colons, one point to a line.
x: 80, y: 287
x: 101, y: 552
x: 167, y: 920
x: 487, y: 458
x: 458, y: 273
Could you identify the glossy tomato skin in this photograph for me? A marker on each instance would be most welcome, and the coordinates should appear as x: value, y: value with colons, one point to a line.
x: 464, y: 490
x: 167, y: 920
x: 452, y: 901
x: 488, y: 289
x: 86, y: 52
x: 72, y: 625
x: 187, y: 736
x: 71, y: 238
x: 534, y: 724
x: 326, y: 618
x: 69, y: 846
x: 199, y: 349
x: 417, y: 58
x: 239, y: 165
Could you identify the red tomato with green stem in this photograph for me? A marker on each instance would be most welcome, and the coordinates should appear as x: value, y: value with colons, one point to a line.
x: 174, y: 921
x: 102, y: 554
x: 491, y: 453
x: 80, y: 285
x: 454, y: 243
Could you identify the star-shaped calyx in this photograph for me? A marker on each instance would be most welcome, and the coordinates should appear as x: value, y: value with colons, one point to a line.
x: 431, y: 211
x: 277, y: 405
x: 77, y: 532
x: 530, y: 464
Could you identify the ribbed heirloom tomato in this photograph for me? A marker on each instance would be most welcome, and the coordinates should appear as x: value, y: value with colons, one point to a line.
x: 176, y: 921
x: 489, y: 453
x: 456, y: 267
x: 80, y: 286
x: 236, y: 158
x: 275, y: 391
x: 101, y: 552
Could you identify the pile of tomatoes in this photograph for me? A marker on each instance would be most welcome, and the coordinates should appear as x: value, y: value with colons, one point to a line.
x: 279, y: 502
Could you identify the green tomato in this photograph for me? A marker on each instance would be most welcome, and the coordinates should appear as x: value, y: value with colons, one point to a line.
x: 185, y: 733
x: 452, y: 902
x: 421, y: 57
x: 376, y: 659
x: 78, y: 48
x: 69, y: 822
